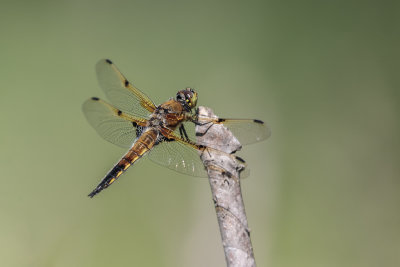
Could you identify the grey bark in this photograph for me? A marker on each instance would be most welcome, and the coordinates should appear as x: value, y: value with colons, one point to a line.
x: 223, y: 170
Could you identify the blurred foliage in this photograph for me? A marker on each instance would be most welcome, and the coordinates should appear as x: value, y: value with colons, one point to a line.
x: 324, y: 189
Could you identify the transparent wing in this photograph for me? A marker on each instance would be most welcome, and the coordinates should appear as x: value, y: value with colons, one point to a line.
x: 121, y: 92
x: 247, y: 131
x: 178, y: 157
x: 184, y: 157
x: 111, y: 123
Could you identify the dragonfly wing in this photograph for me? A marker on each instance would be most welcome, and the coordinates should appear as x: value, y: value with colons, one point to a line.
x: 111, y: 123
x: 179, y: 157
x: 247, y: 131
x: 121, y: 92
x: 184, y: 156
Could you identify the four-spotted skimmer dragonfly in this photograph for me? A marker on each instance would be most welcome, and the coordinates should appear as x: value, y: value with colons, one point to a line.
x: 165, y: 133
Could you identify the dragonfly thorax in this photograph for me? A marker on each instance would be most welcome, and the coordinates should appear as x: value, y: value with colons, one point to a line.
x: 169, y: 114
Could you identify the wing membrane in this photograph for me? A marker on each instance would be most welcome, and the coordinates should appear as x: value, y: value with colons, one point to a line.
x: 247, y: 131
x: 121, y: 92
x: 178, y: 157
x: 111, y: 123
x: 183, y: 156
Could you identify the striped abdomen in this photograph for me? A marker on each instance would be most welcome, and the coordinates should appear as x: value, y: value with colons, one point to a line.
x: 142, y: 145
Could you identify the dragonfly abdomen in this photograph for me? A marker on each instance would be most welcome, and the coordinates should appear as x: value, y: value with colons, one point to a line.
x: 142, y: 145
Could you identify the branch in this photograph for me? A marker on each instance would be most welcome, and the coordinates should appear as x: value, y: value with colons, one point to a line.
x: 223, y: 172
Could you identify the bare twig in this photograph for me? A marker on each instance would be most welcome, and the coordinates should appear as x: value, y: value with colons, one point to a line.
x: 223, y: 172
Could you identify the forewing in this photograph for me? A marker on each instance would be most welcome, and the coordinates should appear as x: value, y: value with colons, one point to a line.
x: 247, y: 131
x: 111, y: 123
x: 121, y: 92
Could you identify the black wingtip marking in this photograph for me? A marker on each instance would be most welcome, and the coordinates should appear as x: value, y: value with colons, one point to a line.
x: 119, y: 112
x: 240, y: 159
x: 134, y: 124
x: 258, y: 121
x: 109, y: 61
x: 221, y: 120
x: 126, y: 83
x: 95, y: 98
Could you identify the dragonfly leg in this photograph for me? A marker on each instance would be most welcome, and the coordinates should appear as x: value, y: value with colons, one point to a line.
x: 182, y: 132
x: 206, y: 130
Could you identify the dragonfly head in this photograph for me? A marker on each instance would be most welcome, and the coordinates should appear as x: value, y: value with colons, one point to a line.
x: 188, y: 98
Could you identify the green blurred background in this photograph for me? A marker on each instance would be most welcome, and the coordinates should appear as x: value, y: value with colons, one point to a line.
x: 324, y: 189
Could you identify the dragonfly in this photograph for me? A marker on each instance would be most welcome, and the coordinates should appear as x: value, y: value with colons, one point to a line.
x: 163, y: 133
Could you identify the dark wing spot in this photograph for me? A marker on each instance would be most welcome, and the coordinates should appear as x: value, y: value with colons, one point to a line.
x: 119, y: 112
x: 258, y: 121
x: 109, y: 61
x: 95, y: 98
x: 221, y: 120
x: 126, y: 83
x: 164, y: 139
x: 240, y: 159
x: 134, y: 124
